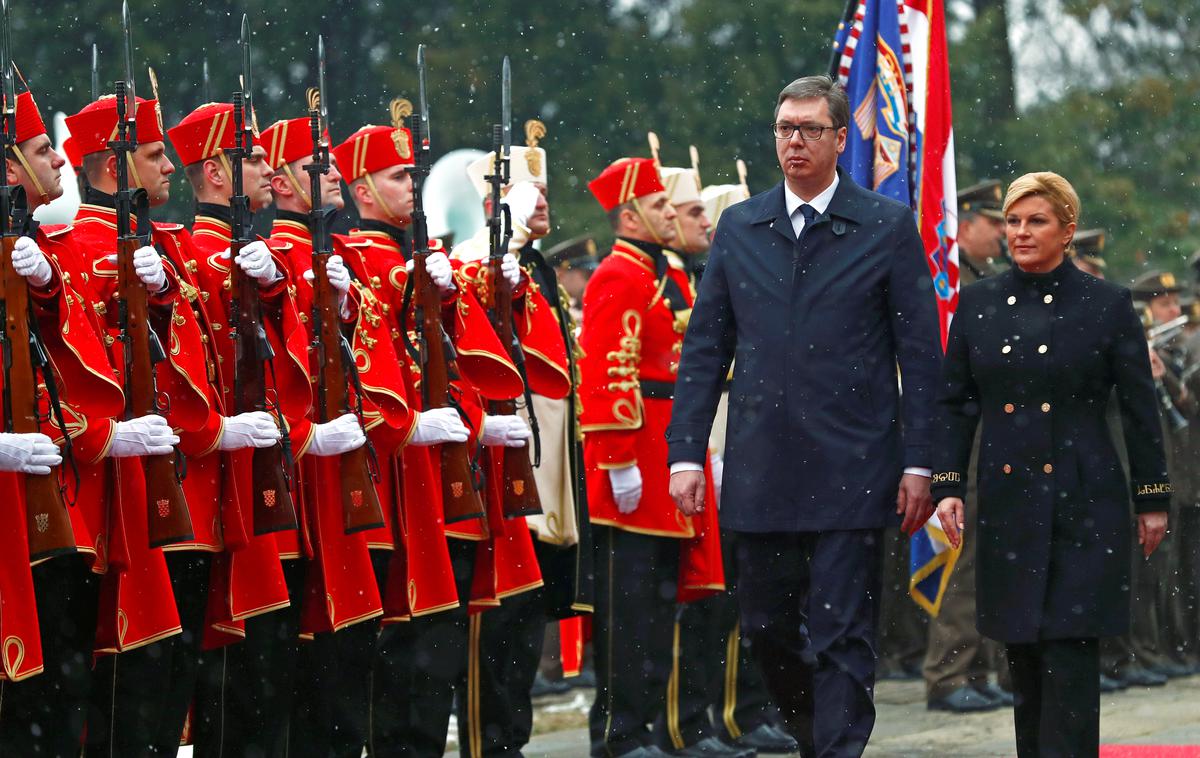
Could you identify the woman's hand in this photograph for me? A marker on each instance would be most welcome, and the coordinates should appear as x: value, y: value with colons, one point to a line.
x: 1152, y: 527
x: 950, y: 513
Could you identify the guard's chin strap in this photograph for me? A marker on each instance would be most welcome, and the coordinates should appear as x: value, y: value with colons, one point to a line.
x: 387, y: 208
x: 287, y: 170
x: 645, y: 222
x: 37, y: 184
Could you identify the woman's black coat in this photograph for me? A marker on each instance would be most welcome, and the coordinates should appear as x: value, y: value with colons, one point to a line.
x: 1035, y: 358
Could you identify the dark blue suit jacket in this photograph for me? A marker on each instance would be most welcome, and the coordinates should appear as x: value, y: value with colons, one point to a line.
x: 814, y: 331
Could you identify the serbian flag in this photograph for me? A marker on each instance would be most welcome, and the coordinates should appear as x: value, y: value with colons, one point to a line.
x: 891, y: 57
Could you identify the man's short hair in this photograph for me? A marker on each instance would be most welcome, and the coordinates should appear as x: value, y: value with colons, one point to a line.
x: 614, y: 215
x: 813, y: 87
x: 94, y: 165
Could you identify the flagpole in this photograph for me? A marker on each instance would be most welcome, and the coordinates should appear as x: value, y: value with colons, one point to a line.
x: 836, y: 56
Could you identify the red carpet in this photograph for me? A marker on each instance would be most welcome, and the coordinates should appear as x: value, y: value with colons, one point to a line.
x: 1150, y: 751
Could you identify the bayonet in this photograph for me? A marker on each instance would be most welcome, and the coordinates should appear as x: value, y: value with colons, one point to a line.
x: 130, y: 84
x: 95, y: 73
x: 322, y: 103
x: 247, y: 80
x: 506, y: 107
x: 10, y: 80
x: 424, y: 102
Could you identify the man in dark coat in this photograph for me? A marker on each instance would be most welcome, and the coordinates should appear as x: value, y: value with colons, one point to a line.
x: 819, y: 288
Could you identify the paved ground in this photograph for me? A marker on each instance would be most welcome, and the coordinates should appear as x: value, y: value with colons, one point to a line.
x: 1167, y: 715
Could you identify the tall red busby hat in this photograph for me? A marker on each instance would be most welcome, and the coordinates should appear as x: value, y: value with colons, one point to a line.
x: 29, y: 118
x: 374, y: 148
x: 287, y: 141
x: 96, y: 125
x: 625, y: 180
x: 203, y: 133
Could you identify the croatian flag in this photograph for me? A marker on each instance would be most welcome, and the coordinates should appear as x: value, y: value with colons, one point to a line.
x: 891, y: 57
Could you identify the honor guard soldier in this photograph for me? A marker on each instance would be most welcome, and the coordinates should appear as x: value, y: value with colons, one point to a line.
x: 574, y: 262
x: 1159, y: 293
x: 47, y: 677
x: 710, y: 668
x: 145, y: 698
x: 256, y: 596
x: 506, y: 642
x: 959, y: 659
x: 1089, y: 252
x: 330, y: 712
x: 649, y: 554
x: 438, y: 569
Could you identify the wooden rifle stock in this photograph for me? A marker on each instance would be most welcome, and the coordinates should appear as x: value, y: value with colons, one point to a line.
x: 460, y: 499
x: 520, y: 487
x: 47, y: 520
x: 168, y: 519
x: 360, y: 501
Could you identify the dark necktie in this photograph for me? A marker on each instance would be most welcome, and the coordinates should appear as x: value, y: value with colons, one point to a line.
x: 809, y: 213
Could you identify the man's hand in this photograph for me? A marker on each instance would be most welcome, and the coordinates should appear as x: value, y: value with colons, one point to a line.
x: 626, y: 487
x: 950, y: 513
x: 30, y: 262
x: 441, y: 273
x: 1157, y: 369
x: 256, y: 261
x: 914, y: 502
x: 1152, y: 527
x: 687, y: 488
x: 148, y: 266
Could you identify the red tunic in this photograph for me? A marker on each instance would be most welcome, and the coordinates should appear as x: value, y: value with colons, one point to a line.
x: 631, y: 340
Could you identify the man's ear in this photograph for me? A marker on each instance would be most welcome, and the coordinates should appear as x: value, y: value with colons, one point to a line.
x: 360, y: 193
x: 630, y: 220
x: 10, y: 168
x: 280, y: 186
x: 110, y: 165
x: 213, y: 172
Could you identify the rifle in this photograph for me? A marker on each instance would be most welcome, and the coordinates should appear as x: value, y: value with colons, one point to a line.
x: 460, y: 483
x: 274, y: 510
x: 335, y: 361
x: 47, y: 521
x: 520, y: 489
x: 168, y: 519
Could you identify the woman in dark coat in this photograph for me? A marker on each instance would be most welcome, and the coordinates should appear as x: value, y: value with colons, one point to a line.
x: 1034, y: 354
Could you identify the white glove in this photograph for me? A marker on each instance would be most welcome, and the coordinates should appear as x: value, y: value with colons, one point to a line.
x: 341, y: 435
x: 337, y: 273
x: 437, y: 265
x: 438, y: 425
x: 148, y: 266
x: 30, y: 262
x: 507, y: 431
x: 522, y: 200
x: 256, y: 261
x: 28, y: 453
x: 626, y: 487
x: 253, y: 429
x: 510, y: 269
x: 146, y: 435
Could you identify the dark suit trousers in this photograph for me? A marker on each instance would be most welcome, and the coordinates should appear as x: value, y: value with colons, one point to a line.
x: 245, y: 693
x: 419, y: 665
x: 809, y: 603
x: 637, y: 578
x: 1057, y: 690
x: 140, y: 698
x: 44, y: 715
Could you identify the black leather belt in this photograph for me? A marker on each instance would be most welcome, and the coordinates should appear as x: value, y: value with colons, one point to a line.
x: 657, y: 390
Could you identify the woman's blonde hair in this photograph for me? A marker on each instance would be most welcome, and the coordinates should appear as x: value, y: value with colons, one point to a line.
x: 1057, y: 190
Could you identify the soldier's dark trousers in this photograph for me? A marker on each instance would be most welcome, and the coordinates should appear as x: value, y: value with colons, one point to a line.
x: 495, y: 711
x: 711, y: 668
x: 1182, y: 589
x: 245, y: 693
x: 45, y: 714
x: 636, y: 586
x: 1057, y: 690
x: 140, y: 698
x: 419, y: 664
x: 331, y: 707
x: 809, y: 604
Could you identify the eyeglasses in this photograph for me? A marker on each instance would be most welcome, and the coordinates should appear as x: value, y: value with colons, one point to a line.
x: 808, y: 132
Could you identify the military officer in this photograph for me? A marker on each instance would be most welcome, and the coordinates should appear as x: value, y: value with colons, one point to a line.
x: 958, y: 658
x: 649, y: 554
x: 1089, y: 252
x: 573, y: 262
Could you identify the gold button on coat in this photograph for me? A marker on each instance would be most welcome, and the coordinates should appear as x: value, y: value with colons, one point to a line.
x: 1007, y: 469
x: 1012, y: 299
x: 1042, y: 348
x: 1045, y: 407
x: 1048, y: 468
x: 1006, y: 349
x: 1009, y: 407
x: 1048, y: 299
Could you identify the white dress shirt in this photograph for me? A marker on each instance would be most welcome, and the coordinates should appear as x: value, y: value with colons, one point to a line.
x: 792, y: 202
